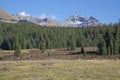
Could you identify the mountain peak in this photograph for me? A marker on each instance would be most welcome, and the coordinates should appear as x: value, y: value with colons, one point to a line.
x: 23, y: 17
x: 77, y: 20
x: 74, y: 20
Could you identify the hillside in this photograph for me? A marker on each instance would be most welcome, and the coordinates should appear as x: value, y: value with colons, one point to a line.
x: 5, y: 16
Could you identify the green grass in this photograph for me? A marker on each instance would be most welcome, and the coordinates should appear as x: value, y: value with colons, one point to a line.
x: 60, y: 70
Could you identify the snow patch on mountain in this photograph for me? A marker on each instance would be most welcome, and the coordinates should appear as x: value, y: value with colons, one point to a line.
x: 24, y: 13
x: 49, y: 20
x: 78, y: 21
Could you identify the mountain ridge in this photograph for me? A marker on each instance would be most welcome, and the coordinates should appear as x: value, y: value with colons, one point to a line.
x: 71, y: 21
x: 74, y: 21
x: 78, y: 21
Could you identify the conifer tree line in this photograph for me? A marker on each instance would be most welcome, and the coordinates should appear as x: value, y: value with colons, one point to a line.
x: 26, y: 36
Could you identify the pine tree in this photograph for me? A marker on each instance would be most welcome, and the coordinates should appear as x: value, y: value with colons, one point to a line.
x: 115, y: 40
x: 72, y: 44
x: 43, y: 45
x: 17, y: 52
x: 102, y: 47
x: 48, y: 44
x: 83, y: 51
x: 118, y: 37
x: 68, y: 44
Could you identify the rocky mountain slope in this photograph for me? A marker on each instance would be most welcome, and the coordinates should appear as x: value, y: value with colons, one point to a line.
x: 38, y: 21
x: 74, y: 21
x: 78, y: 21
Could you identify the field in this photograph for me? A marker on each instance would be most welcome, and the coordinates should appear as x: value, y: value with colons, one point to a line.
x: 53, y: 54
x: 60, y: 70
x: 58, y: 64
x: 36, y: 54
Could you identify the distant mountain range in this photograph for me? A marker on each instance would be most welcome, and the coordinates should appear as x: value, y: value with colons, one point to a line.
x: 38, y: 21
x: 77, y: 20
x: 72, y: 21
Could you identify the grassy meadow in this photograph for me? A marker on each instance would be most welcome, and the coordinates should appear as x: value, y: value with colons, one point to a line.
x: 60, y: 70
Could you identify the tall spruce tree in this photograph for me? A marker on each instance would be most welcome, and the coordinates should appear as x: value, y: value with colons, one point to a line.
x: 43, y: 45
x: 118, y: 38
x: 17, y: 52
x: 73, y: 44
x: 102, y: 46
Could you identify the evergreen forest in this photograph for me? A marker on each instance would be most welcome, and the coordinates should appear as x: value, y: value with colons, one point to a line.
x: 25, y: 36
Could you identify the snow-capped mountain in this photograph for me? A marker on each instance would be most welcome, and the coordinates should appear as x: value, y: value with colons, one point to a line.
x: 20, y: 17
x: 74, y: 21
x: 39, y: 21
x: 78, y: 21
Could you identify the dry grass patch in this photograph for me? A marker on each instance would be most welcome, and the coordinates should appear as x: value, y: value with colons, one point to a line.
x: 60, y: 70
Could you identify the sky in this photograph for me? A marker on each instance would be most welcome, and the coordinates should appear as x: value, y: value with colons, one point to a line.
x: 106, y: 11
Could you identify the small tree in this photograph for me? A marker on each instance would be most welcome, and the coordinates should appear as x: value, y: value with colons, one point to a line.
x: 83, y: 50
x: 17, y: 52
x: 68, y: 44
x: 102, y: 47
x: 72, y: 44
x: 43, y: 45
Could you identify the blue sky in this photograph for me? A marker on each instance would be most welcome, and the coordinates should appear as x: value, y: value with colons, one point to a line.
x: 106, y: 11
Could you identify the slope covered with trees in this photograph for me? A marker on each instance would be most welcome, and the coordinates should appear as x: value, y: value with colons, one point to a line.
x: 105, y: 37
